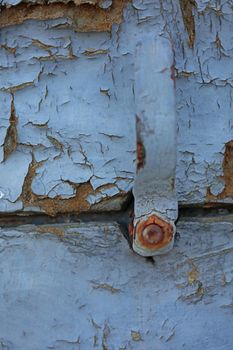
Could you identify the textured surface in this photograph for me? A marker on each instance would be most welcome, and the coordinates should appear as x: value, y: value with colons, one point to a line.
x: 83, y: 18
x: 101, y: 3
x: 80, y: 287
x: 68, y: 110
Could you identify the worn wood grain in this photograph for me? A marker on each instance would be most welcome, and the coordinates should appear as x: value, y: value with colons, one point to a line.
x: 79, y: 286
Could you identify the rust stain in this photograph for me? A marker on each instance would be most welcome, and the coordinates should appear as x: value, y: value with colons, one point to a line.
x: 26, y: 195
x: 58, y: 205
x: 227, y: 174
x: 164, y: 232
x: 136, y: 336
x: 105, y: 286
x: 76, y: 2
x: 55, y: 142
x: 193, y: 275
x: 13, y: 89
x: 93, y: 52
x: 196, y: 296
x: 184, y: 74
x: 42, y: 45
x: 10, y: 142
x: 53, y: 206
x: 9, y: 49
x: 188, y: 18
x: 84, y: 18
x: 141, y: 152
x: 131, y: 229
x: 218, y: 42
x: 51, y: 229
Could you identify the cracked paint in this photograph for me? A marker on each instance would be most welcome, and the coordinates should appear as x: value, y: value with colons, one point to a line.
x: 188, y: 18
x: 100, y: 3
x: 74, y: 102
x: 13, y: 172
x: 5, y: 101
x: 82, y: 15
x: 85, y: 277
x: 225, y: 190
x: 10, y: 141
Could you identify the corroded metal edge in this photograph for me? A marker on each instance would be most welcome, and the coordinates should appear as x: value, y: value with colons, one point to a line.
x: 157, y: 243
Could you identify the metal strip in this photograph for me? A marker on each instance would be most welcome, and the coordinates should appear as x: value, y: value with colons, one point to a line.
x: 156, y: 206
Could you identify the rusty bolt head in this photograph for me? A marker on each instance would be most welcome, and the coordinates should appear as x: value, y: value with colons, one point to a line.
x: 153, y: 234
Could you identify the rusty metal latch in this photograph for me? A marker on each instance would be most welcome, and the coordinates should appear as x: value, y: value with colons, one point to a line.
x: 156, y: 206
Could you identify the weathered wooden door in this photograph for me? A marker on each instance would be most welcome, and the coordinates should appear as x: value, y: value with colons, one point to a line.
x: 75, y: 124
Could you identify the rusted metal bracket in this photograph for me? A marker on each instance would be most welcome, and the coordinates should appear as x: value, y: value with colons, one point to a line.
x: 156, y: 206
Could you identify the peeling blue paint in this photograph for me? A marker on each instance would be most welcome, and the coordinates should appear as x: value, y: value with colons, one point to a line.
x: 74, y: 99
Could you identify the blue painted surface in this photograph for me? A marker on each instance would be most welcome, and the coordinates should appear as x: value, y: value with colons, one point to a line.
x: 88, y: 290
x: 73, y: 96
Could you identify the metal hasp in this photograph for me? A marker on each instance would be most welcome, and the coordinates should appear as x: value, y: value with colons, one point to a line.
x: 154, y: 192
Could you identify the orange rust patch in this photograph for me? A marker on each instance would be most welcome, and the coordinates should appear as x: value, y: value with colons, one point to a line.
x: 53, y: 206
x: 188, y: 18
x: 50, y: 229
x: 165, y: 227
x: 85, y: 18
x: 140, y: 155
x: 58, y: 205
x: 227, y: 174
x: 130, y: 229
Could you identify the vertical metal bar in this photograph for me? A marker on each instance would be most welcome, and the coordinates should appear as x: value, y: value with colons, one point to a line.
x: 154, y: 189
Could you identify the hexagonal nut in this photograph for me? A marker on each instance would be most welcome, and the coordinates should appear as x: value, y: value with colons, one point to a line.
x: 153, y: 236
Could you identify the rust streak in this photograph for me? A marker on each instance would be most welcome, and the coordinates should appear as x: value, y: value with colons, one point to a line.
x: 141, y: 152
x: 188, y: 18
x: 227, y: 174
x: 10, y: 142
